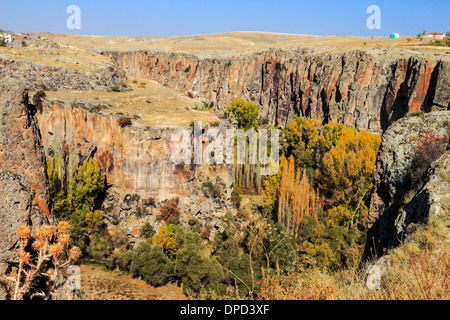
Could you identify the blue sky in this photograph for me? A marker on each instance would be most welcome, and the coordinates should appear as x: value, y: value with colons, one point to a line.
x: 187, y: 17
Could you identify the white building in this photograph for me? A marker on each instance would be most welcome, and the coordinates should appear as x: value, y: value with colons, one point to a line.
x: 7, y: 37
x: 436, y: 35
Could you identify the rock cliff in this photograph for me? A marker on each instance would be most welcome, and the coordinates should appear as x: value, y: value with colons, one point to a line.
x: 367, y: 89
x: 24, y: 190
x: 399, y: 201
x: 134, y: 159
x: 21, y: 150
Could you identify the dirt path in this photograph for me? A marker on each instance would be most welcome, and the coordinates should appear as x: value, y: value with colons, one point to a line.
x: 99, y: 284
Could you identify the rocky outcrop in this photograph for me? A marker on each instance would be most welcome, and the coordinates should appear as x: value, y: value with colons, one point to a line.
x: 398, y: 202
x: 38, y: 76
x: 134, y: 159
x: 367, y: 89
x: 16, y: 198
x: 21, y: 150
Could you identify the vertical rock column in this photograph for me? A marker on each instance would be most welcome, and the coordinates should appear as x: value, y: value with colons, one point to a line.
x: 21, y: 150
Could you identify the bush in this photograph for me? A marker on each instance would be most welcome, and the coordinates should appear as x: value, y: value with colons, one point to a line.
x: 169, y: 211
x: 124, y: 121
x: 429, y: 147
x: 147, y: 231
x: 37, y: 99
x: 211, y: 190
x: 152, y: 265
x: 196, y: 270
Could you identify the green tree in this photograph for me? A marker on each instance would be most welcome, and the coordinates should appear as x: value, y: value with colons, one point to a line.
x: 152, y: 264
x: 246, y: 113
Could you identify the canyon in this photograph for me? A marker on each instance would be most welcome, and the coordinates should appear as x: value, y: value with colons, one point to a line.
x: 367, y: 89
x: 372, y: 89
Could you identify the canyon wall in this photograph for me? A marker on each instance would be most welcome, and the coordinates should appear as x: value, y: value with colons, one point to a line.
x: 21, y: 150
x: 399, y: 201
x: 134, y: 159
x: 365, y: 89
x: 24, y: 189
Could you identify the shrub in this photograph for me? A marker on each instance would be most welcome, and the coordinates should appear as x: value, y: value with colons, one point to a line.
x: 150, y: 201
x: 147, y: 231
x: 205, y: 234
x: 124, y: 121
x: 37, y: 99
x: 236, y: 195
x: 169, y: 211
x: 152, y: 265
x: 194, y: 268
x: 429, y: 147
x: 211, y: 190
x: 24, y: 44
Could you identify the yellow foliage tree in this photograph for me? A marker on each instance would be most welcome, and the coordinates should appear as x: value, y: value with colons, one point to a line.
x: 345, y: 174
x: 166, y: 239
x: 296, y: 197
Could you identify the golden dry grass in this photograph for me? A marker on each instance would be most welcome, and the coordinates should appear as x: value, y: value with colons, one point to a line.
x: 99, y: 284
x: 154, y: 105
x: 64, y: 56
x: 235, y: 43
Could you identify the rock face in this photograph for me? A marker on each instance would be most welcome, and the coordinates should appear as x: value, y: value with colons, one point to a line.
x: 365, y: 89
x: 134, y: 159
x: 396, y: 202
x: 21, y: 150
x: 16, y: 198
x: 37, y: 76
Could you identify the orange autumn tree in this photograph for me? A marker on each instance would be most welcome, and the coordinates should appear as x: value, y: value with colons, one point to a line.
x: 296, y: 197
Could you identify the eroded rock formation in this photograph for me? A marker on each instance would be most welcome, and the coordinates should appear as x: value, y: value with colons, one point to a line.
x: 21, y: 150
x: 398, y: 202
x: 367, y: 90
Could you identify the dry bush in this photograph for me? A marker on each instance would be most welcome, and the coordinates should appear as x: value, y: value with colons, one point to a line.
x: 418, y: 270
x: 304, y: 285
x: 430, y: 146
x: 124, y: 121
x: 41, y: 259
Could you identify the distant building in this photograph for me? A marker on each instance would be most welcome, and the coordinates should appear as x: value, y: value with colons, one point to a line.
x: 7, y: 37
x: 394, y: 36
x: 436, y: 35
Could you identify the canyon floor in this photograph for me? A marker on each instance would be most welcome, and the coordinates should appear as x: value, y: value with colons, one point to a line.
x: 100, y: 284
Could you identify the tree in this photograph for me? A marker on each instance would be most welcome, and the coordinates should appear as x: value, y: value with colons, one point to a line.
x: 152, y: 264
x: 296, y: 197
x: 246, y: 113
x: 169, y: 211
x: 300, y: 141
x: 345, y: 175
x: 166, y: 240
